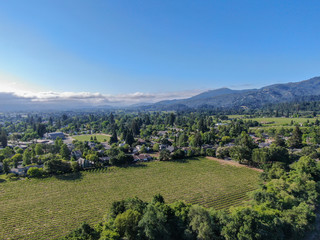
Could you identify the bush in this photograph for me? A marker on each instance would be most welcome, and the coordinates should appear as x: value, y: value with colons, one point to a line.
x: 164, y: 155
x: 121, y: 159
x: 75, y: 167
x: 57, y: 166
x: 211, y: 152
x: 35, y: 172
x: 222, y: 152
x: 178, y: 154
x: 12, y: 177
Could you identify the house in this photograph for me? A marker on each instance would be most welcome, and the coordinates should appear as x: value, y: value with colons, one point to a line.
x: 44, y: 141
x: 55, y: 135
x: 106, y: 145
x: 141, y: 141
x: 229, y: 145
x: 104, y: 159
x: 84, y: 163
x: 101, y: 152
x: 22, y: 146
x: 162, y: 133
x: 186, y: 149
x: 135, y: 150
x: 22, y: 171
x: 296, y: 150
x: 264, y: 144
x: 170, y: 149
x: 138, y: 147
x: 142, y: 157
x: 70, y: 146
x: 221, y: 124
x: 77, y: 154
x: 136, y: 158
x: 269, y: 140
x: 206, y: 146
x: 91, y: 144
x: 162, y: 146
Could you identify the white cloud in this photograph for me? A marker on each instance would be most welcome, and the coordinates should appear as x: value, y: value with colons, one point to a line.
x: 15, y: 92
x: 86, y: 99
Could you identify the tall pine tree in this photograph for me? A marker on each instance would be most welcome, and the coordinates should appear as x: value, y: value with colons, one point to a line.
x: 114, y: 137
x: 3, y: 138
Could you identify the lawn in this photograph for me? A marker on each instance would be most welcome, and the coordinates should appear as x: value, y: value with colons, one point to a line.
x: 87, y: 137
x: 49, y: 208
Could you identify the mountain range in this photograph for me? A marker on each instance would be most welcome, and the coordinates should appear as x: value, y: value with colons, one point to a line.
x: 249, y: 98
x: 307, y: 90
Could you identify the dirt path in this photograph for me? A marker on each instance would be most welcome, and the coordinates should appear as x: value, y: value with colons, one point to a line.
x: 233, y: 163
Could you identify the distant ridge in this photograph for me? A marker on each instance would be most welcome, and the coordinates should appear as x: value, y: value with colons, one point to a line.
x: 307, y: 90
x: 251, y: 98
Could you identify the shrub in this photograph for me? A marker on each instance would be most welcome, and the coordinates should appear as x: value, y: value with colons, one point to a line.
x: 35, y: 172
x: 12, y: 177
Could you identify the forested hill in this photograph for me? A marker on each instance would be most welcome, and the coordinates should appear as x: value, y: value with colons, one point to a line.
x: 250, y: 98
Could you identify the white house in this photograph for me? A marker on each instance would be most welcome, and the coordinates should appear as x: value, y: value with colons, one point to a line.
x: 55, y: 135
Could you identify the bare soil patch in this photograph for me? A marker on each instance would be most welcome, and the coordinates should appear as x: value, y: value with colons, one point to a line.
x: 233, y: 163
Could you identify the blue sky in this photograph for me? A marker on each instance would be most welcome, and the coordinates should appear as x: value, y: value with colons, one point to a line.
x: 124, y: 47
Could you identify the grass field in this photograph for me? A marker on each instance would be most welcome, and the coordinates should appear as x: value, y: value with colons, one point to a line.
x: 277, y: 121
x: 282, y: 121
x: 277, y: 127
x: 86, y: 137
x: 49, y: 208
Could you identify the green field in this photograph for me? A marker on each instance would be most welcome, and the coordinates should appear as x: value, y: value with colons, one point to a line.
x: 276, y: 121
x: 86, y: 137
x: 49, y: 208
x: 281, y: 121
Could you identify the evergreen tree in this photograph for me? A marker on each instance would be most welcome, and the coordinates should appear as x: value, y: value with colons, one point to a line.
x: 279, y: 141
x: 202, y: 126
x: 135, y: 127
x: 114, y: 137
x: 50, y: 121
x: 164, y: 155
x: 65, y: 152
x: 3, y: 138
x: 129, y: 138
x: 41, y: 129
x: 112, y: 118
x: 6, y: 167
x: 38, y: 149
x: 26, y: 157
x: 183, y: 140
x: 245, y: 140
x: 197, y: 140
x: 170, y: 119
x: 295, y: 141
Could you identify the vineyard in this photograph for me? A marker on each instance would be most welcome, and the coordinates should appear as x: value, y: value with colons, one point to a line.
x: 276, y: 121
x: 49, y: 208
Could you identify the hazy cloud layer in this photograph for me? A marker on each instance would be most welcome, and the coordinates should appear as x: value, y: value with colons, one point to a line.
x: 30, y: 100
